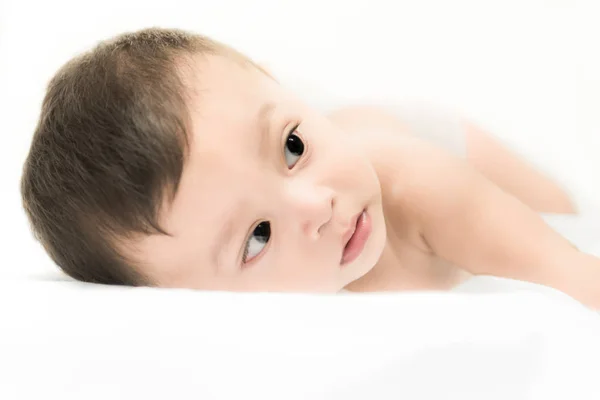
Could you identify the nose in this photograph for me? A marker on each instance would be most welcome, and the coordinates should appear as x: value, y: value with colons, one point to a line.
x: 312, y: 206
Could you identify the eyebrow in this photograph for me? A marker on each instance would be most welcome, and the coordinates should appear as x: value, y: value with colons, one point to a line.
x: 226, y: 231
x: 263, y: 116
x: 224, y: 237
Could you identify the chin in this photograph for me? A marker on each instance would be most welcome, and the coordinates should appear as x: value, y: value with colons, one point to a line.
x: 378, y: 236
x: 359, y: 271
x: 360, y: 268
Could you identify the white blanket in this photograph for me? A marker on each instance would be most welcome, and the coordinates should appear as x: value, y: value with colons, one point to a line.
x: 491, y: 338
x: 72, y: 341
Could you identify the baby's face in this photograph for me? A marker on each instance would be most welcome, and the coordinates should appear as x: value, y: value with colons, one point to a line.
x: 269, y: 197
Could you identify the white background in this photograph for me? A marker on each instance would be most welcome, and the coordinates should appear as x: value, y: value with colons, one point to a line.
x: 529, y: 70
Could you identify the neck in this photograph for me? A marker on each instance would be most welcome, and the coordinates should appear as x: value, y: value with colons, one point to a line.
x: 403, y: 266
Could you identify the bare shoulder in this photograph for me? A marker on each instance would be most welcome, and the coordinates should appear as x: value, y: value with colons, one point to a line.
x: 488, y: 156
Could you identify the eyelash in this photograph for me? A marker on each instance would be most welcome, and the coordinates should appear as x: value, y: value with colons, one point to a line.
x: 293, y: 130
x: 247, y: 242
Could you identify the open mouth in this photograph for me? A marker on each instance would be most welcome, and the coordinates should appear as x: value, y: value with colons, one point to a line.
x: 359, y: 235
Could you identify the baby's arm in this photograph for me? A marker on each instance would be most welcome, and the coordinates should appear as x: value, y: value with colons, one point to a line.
x: 513, y: 174
x: 486, y: 154
x: 471, y: 222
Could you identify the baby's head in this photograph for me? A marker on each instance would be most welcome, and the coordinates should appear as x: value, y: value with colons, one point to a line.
x: 164, y: 158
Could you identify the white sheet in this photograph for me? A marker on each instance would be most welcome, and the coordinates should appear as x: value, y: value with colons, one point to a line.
x: 491, y: 338
x: 60, y: 340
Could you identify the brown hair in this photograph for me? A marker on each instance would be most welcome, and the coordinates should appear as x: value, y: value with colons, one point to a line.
x: 109, y: 148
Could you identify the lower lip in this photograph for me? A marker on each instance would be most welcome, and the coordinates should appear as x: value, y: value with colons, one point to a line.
x: 357, y: 242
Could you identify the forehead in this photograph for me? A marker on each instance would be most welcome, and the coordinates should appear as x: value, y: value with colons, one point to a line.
x: 219, y: 173
x: 232, y: 173
x: 222, y: 89
x: 226, y: 99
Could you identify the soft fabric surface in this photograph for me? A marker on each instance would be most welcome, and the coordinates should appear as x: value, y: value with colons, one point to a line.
x: 491, y: 338
x: 67, y: 341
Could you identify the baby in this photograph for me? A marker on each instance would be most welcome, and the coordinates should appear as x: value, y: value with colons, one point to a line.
x: 164, y: 158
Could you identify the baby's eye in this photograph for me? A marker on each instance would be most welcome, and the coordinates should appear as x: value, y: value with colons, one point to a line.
x: 257, y: 241
x: 294, y: 148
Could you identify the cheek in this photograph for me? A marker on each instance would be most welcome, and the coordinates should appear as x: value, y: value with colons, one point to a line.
x: 295, y: 272
x: 293, y: 260
x: 340, y: 156
x: 336, y: 143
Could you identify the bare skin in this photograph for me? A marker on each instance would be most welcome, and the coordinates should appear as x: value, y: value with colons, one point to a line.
x: 470, y: 219
x: 272, y: 187
x: 412, y: 265
x: 485, y: 153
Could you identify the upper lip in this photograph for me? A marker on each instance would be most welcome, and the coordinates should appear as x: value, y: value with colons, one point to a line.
x: 351, y: 230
